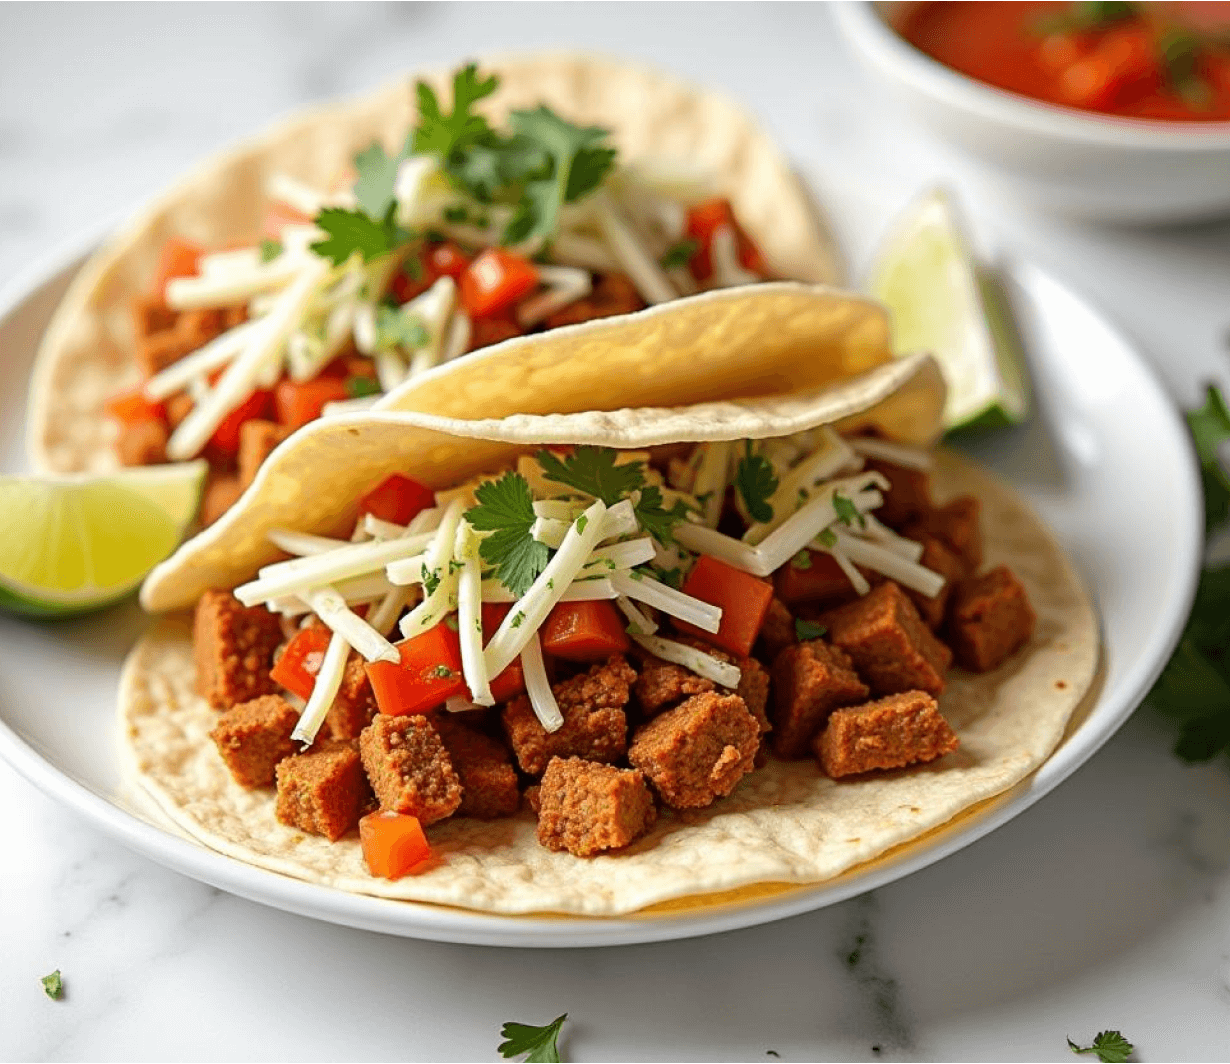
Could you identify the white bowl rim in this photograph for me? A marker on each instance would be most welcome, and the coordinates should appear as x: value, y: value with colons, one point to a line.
x: 866, y: 29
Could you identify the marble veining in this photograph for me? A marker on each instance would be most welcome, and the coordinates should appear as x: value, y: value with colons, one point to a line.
x: 1106, y: 905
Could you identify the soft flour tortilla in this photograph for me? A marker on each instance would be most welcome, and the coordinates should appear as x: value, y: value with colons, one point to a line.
x: 86, y: 354
x: 784, y: 824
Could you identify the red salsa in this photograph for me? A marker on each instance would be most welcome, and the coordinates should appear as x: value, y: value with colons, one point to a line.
x: 1168, y: 61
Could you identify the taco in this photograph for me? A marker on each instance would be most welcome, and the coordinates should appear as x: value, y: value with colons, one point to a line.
x: 606, y: 659
x: 322, y: 265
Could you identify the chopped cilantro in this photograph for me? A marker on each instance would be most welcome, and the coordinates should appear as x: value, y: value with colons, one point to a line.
x: 451, y: 621
x: 582, y: 521
x: 805, y: 630
x: 518, y: 619
x: 431, y: 581
x: 53, y: 985
x: 538, y: 1043
x: 270, y: 250
x: 756, y: 482
x: 802, y: 560
x: 847, y: 512
x: 351, y: 231
x: 361, y: 387
x: 377, y: 176
x: 653, y: 516
x: 828, y: 537
x: 505, y: 508
x: 671, y: 577
x: 678, y: 254
x: 442, y: 672
x: 396, y: 329
x: 454, y: 566
x: 592, y: 471
x: 457, y: 214
x: 1210, y: 427
x: 1110, y: 1046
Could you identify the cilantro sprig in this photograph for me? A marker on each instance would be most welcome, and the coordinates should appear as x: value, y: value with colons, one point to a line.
x: 1109, y: 1046
x: 350, y: 231
x: 53, y: 985
x: 756, y: 481
x: 847, y: 513
x: 540, y: 1044
x: 505, y: 508
x: 1210, y: 427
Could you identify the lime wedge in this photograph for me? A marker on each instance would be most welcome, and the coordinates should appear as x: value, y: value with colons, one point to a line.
x: 71, y: 544
x: 940, y: 300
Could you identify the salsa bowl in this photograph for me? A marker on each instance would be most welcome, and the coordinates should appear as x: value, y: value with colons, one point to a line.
x: 1070, y: 162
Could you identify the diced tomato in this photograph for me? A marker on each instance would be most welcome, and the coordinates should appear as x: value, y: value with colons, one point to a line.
x: 296, y: 669
x: 495, y: 281
x: 744, y: 600
x: 429, y: 673
x: 278, y: 217
x: 397, y: 499
x: 1122, y: 67
x: 132, y: 406
x: 446, y: 260
x: 179, y: 258
x: 821, y: 581
x: 223, y: 445
x: 703, y: 221
x: 584, y: 631
x: 297, y: 403
x: 393, y: 843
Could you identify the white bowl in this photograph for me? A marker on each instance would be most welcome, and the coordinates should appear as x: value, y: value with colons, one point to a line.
x: 1067, y: 161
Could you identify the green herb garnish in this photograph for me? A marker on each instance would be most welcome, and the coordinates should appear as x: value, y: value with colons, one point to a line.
x: 1110, y: 1046
x: 270, y: 250
x: 805, y: 630
x: 847, y: 513
x: 53, y: 985
x: 653, y: 516
x: 505, y: 508
x: 539, y: 1043
x: 1210, y: 427
x: 679, y: 254
x: 361, y: 387
x: 593, y: 471
x: 356, y: 231
x: 756, y: 481
x: 396, y: 329
x: 443, y: 672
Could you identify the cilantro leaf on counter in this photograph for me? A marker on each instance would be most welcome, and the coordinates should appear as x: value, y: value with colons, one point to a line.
x: 53, y: 985
x: 678, y: 254
x: 756, y: 481
x: 350, y: 231
x: 593, y: 471
x: 538, y: 1042
x: 505, y: 508
x: 1210, y: 427
x: 1109, y: 1046
x: 805, y: 630
x: 655, y: 519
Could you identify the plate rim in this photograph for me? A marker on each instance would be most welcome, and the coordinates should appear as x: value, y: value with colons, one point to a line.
x: 440, y: 923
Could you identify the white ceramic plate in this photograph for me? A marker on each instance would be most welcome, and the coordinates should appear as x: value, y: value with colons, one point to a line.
x: 1106, y: 462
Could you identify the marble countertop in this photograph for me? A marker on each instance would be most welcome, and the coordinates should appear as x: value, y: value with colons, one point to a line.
x: 1105, y: 905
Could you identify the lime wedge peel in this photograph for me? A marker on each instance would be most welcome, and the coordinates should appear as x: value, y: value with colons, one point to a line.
x: 940, y: 300
x: 70, y: 544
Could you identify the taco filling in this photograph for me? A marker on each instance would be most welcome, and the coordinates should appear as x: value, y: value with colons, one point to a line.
x: 467, y: 236
x: 598, y: 633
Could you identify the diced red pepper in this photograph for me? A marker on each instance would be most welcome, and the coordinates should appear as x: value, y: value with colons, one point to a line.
x: 429, y: 673
x: 703, y: 221
x: 446, y: 260
x: 585, y: 631
x: 132, y: 406
x: 223, y: 445
x: 393, y: 843
x: 397, y: 499
x: 821, y: 581
x: 179, y: 258
x: 744, y: 600
x: 297, y: 403
x: 300, y: 662
x: 495, y: 281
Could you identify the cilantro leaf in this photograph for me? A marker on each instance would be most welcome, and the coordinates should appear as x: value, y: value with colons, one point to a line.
x: 270, y: 250
x: 506, y: 510
x: 53, y: 985
x: 361, y: 387
x: 679, y: 254
x: 655, y: 519
x: 592, y: 471
x: 756, y: 481
x: 397, y: 329
x: 447, y: 134
x: 828, y: 537
x: 1210, y: 427
x: 538, y: 1042
x: 802, y: 560
x: 847, y: 513
x: 805, y: 630
x: 377, y: 173
x: 1110, y: 1046
x: 351, y: 231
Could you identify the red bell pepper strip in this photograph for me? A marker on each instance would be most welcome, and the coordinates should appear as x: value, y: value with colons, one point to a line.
x: 821, y: 581
x: 393, y: 843
x: 132, y: 406
x: 397, y: 499
x: 585, y: 631
x: 429, y: 673
x: 297, y: 403
x: 703, y: 221
x: 179, y: 258
x: 744, y: 600
x: 296, y: 669
x: 495, y: 281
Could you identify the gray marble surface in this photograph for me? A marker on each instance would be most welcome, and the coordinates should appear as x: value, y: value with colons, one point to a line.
x: 1105, y: 905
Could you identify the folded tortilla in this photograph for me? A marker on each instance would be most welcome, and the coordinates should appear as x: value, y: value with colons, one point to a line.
x: 784, y: 824
x: 87, y: 352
